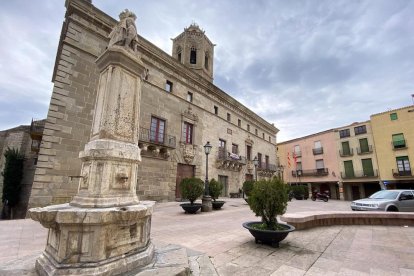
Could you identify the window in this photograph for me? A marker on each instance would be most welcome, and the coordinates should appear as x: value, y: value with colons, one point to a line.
x: 206, y: 61
x: 393, y: 116
x: 270, y: 139
x: 248, y: 128
x: 239, y: 122
x: 296, y: 151
x: 367, y: 167
x: 267, y: 162
x: 263, y: 135
x: 179, y: 57
x: 344, y: 133
x: 398, y: 141
x: 234, y: 149
x: 298, y: 166
x: 222, y: 143
x: 346, y: 150
x: 360, y: 130
x: 179, y: 53
x: 364, y: 147
x: 157, y: 130
x: 249, y: 152
x: 320, y: 164
x: 255, y: 131
x: 349, y: 169
x: 259, y: 157
x: 168, y: 86
x: 190, y: 97
x: 228, y: 117
x: 318, y: 149
x: 187, y: 133
x: 193, y: 56
x: 222, y: 149
x: 403, y: 165
x: 216, y: 110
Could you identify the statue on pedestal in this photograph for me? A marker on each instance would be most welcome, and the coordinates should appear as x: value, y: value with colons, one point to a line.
x: 125, y: 32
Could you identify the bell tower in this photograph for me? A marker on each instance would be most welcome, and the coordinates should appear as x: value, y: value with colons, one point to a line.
x: 193, y: 49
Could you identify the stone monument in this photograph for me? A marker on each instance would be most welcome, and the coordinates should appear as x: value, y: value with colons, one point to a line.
x: 105, y: 229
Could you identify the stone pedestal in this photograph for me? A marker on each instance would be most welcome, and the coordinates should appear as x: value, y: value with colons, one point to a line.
x: 104, y: 230
x: 206, y: 205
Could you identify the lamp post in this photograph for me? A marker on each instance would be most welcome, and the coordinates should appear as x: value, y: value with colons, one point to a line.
x: 256, y: 163
x: 206, y: 200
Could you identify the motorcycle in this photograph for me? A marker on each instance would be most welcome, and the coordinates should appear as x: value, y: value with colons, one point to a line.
x: 322, y: 196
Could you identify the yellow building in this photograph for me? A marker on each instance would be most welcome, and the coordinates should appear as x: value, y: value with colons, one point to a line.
x: 393, y: 133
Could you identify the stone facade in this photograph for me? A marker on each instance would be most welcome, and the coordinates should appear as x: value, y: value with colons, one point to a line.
x: 176, y: 98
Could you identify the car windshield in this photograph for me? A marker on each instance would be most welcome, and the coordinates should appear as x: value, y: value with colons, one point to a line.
x: 385, y: 195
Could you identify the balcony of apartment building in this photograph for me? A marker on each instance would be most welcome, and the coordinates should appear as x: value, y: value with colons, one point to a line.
x: 229, y: 160
x: 315, y: 172
x: 402, y: 173
x: 317, y: 151
x: 266, y: 169
x: 346, y: 152
x: 36, y: 133
x: 399, y: 144
x: 364, y: 150
x: 155, y: 144
x: 359, y: 174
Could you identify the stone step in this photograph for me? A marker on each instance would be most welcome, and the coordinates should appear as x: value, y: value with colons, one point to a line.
x: 201, y: 265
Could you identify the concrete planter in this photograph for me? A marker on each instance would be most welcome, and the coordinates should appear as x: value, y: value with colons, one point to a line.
x: 217, y: 204
x: 191, y: 208
x: 270, y: 237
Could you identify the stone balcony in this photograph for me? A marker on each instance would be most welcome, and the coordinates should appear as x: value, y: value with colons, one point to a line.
x: 266, y: 170
x: 155, y: 145
x: 230, y: 161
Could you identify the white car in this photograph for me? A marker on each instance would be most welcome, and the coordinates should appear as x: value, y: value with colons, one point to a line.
x: 386, y: 200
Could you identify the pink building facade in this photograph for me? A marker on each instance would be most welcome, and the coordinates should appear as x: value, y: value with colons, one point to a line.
x: 313, y: 161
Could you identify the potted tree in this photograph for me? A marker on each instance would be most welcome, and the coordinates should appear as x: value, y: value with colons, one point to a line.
x: 268, y: 199
x: 215, y: 191
x: 191, y: 189
x: 247, y: 188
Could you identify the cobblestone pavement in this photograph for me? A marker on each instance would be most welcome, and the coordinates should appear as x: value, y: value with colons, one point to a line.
x: 334, y: 250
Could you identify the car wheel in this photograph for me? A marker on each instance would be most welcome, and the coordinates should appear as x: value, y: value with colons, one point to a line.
x: 392, y: 209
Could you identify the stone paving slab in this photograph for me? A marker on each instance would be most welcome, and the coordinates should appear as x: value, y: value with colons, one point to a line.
x: 333, y: 250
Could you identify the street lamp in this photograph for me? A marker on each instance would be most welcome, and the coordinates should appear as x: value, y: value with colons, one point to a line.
x: 207, y: 150
x: 256, y: 163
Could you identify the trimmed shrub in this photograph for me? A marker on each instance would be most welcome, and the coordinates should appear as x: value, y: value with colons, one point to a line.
x: 248, y: 187
x: 215, y: 189
x: 192, y: 188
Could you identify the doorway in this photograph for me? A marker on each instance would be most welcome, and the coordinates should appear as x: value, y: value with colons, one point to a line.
x: 183, y: 171
x: 355, y: 193
x: 223, y: 179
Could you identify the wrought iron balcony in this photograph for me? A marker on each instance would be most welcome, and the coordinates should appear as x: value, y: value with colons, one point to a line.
x: 400, y: 144
x: 317, y: 151
x: 230, y: 161
x: 405, y: 173
x: 364, y: 150
x: 344, y: 153
x: 266, y: 170
x: 315, y: 172
x: 146, y: 135
x: 359, y: 174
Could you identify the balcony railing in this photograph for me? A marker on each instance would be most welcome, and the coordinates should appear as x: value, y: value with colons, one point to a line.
x: 315, y: 172
x: 405, y: 173
x: 364, y: 150
x: 268, y: 167
x: 317, y: 151
x: 344, y: 153
x: 146, y: 135
x: 224, y: 155
x: 359, y: 174
x: 399, y: 144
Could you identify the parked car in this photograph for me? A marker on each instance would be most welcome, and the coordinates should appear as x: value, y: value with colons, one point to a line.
x: 386, y: 200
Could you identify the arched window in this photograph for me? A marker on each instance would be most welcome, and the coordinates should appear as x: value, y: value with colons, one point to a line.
x: 193, y: 55
x: 179, y: 53
x: 206, y: 60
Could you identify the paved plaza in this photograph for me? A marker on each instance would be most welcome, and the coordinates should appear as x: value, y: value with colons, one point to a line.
x: 334, y: 250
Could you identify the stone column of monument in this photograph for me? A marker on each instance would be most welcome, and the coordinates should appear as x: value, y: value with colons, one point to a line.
x: 105, y: 229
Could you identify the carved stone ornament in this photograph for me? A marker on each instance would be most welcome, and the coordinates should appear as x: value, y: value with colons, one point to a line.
x: 125, y: 32
x: 188, y: 153
x: 249, y: 140
x: 189, y: 114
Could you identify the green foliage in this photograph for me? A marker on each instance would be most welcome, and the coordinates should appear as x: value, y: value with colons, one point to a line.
x: 299, y: 191
x: 192, y: 188
x: 215, y: 189
x: 248, y: 187
x: 12, y: 176
x: 268, y: 199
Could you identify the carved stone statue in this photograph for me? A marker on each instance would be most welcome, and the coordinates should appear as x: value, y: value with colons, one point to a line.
x: 125, y: 32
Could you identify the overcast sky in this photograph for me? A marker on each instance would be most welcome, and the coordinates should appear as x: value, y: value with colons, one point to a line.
x: 305, y: 66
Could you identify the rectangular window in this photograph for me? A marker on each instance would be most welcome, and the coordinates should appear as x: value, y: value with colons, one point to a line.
x: 263, y: 135
x: 190, y: 97
x: 364, y: 147
x: 346, y: 150
x: 320, y: 164
x: 234, y: 149
x: 179, y: 57
x: 216, y: 110
x: 193, y: 56
x: 239, y: 122
x: 222, y: 149
x: 367, y: 167
x: 318, y: 149
x: 398, y: 141
x: 248, y: 128
x: 349, y: 169
x: 249, y: 152
x: 360, y: 130
x: 157, y: 130
x: 255, y: 131
x: 187, y: 133
x: 298, y: 166
x: 296, y: 151
x: 403, y: 165
x: 169, y: 86
x: 228, y: 117
x: 267, y: 162
x: 393, y: 116
x: 344, y: 133
x: 270, y: 139
x: 259, y: 157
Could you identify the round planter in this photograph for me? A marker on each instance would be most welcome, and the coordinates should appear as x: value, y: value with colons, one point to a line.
x: 217, y: 204
x: 270, y: 237
x: 191, y: 209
